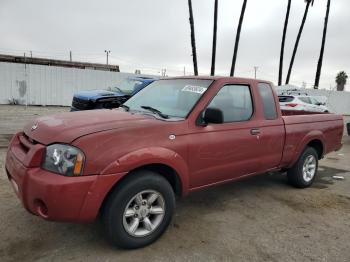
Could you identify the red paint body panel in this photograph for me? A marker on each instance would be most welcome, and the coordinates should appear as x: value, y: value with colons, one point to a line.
x: 66, y: 198
x: 301, y: 129
x: 116, y: 142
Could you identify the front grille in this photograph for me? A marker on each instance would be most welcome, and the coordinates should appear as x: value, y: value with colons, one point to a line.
x: 80, y: 103
x: 112, y: 102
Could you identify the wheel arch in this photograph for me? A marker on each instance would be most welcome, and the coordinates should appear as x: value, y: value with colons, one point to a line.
x: 318, y: 146
x: 163, y: 161
x: 166, y: 171
x: 314, y: 139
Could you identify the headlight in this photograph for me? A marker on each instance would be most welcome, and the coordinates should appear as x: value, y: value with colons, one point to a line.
x: 64, y: 159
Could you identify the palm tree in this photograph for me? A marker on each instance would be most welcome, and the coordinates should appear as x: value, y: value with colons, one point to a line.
x: 193, y: 39
x: 308, y: 2
x: 238, y: 35
x: 283, y: 43
x: 341, y: 80
x: 320, y: 60
x: 214, y: 38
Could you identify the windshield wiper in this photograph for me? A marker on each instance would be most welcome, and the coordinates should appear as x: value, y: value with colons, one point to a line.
x: 154, y: 110
x: 125, y: 107
x: 118, y: 89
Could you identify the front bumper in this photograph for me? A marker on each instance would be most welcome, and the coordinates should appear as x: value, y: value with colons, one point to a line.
x: 55, y: 197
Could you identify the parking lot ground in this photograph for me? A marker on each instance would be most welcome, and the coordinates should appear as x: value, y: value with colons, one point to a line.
x: 14, y: 117
x: 260, y: 218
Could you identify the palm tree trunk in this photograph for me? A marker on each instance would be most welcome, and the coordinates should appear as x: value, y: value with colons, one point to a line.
x: 212, y: 73
x: 238, y: 35
x: 193, y: 39
x: 340, y: 87
x: 283, y: 43
x: 320, y: 61
x: 297, y: 42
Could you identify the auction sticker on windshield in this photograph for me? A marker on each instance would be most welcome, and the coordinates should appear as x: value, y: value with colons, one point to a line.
x: 194, y: 89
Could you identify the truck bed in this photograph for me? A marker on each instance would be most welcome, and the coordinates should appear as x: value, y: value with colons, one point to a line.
x: 299, y: 112
x: 300, y: 126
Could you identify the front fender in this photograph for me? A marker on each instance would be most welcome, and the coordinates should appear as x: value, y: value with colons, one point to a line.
x: 151, y: 155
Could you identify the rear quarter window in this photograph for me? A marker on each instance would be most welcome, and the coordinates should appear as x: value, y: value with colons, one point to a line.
x: 268, y: 101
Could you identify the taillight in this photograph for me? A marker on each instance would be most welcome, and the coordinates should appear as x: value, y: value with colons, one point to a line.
x: 292, y: 105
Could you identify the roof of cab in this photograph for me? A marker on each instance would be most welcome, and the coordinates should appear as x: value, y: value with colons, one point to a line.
x: 223, y: 78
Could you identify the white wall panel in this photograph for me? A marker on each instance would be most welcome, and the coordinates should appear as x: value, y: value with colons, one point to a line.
x: 51, y: 85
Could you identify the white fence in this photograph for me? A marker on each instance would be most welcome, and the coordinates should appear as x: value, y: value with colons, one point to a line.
x: 51, y: 85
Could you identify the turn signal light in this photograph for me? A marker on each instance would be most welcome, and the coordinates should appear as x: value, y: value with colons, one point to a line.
x: 78, y: 165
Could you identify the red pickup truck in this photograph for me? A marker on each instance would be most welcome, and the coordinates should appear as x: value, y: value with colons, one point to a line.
x: 174, y: 137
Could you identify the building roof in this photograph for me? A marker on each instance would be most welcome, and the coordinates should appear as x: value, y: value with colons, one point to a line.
x: 54, y: 62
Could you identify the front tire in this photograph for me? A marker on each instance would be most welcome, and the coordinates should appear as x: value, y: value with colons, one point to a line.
x: 139, y: 210
x: 304, y: 171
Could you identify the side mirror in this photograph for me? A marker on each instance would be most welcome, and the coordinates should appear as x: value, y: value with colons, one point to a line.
x: 213, y: 116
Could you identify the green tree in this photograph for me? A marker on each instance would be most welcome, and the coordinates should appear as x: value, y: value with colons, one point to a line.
x: 307, y: 6
x: 341, y: 80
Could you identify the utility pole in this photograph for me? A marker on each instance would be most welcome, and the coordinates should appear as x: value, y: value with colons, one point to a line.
x: 184, y: 70
x: 107, y: 53
x: 255, y: 70
x: 70, y: 56
x: 31, y: 54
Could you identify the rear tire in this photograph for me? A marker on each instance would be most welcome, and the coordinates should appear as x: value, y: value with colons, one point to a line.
x: 130, y: 206
x: 304, y: 171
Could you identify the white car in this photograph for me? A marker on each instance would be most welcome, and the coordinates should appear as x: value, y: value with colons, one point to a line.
x: 302, y: 103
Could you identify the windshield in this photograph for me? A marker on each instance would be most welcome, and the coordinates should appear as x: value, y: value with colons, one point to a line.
x: 127, y: 86
x: 173, y: 98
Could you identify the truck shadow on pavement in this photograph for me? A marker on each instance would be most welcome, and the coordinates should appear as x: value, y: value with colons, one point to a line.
x: 325, y: 176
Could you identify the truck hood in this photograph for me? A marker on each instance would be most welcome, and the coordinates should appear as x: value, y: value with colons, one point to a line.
x: 66, y: 127
x: 96, y: 94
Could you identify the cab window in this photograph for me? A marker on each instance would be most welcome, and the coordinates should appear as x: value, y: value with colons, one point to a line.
x: 235, y: 102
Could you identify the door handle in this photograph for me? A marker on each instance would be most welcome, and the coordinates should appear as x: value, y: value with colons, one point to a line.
x: 255, y: 131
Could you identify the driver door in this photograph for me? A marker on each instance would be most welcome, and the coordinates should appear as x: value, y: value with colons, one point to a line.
x: 220, y: 152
